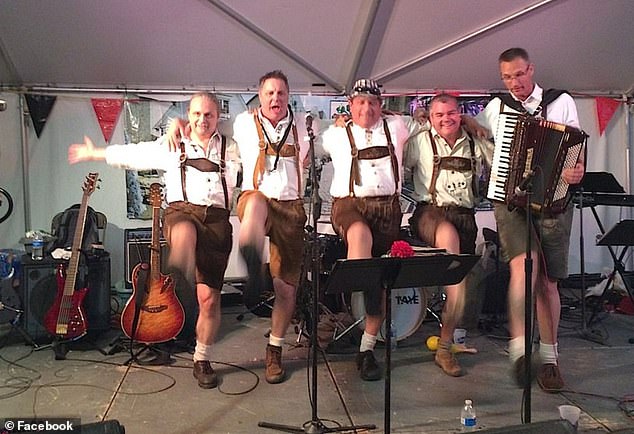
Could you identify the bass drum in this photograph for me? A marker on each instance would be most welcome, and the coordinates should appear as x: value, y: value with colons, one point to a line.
x: 409, y: 306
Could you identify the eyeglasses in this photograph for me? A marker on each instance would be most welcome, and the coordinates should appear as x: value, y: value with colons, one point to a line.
x: 516, y: 76
x: 367, y: 89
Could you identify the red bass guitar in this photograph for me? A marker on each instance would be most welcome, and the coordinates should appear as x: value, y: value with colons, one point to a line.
x: 66, y: 318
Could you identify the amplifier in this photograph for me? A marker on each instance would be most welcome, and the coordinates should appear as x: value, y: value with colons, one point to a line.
x: 39, y: 288
x: 136, y: 248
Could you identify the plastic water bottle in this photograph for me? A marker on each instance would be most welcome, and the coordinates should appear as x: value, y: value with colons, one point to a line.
x: 393, y: 335
x: 37, y: 247
x: 468, y: 416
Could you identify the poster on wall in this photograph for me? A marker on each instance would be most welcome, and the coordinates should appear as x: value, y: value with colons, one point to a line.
x: 139, y: 127
x: 339, y: 107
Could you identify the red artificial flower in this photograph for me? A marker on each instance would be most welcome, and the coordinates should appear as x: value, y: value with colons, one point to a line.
x: 401, y: 249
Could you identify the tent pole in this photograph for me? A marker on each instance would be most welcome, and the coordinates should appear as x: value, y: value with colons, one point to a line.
x: 25, y: 165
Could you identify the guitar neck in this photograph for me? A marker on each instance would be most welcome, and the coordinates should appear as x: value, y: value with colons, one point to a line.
x: 73, y: 263
x: 155, y: 246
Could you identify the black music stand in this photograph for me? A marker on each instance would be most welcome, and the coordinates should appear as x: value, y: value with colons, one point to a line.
x: 389, y: 273
x: 593, y: 182
x: 600, y: 182
x: 621, y: 234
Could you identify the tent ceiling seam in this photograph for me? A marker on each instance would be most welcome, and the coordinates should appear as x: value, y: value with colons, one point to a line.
x: 420, y: 60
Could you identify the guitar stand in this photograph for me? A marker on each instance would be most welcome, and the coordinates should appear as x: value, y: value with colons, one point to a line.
x: 393, y: 273
x: 158, y: 357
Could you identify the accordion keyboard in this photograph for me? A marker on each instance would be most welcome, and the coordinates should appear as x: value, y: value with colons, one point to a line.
x: 501, y: 164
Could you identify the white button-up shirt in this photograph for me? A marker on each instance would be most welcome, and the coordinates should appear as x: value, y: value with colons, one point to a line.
x: 452, y: 187
x: 377, y: 178
x: 203, y: 188
x: 281, y: 183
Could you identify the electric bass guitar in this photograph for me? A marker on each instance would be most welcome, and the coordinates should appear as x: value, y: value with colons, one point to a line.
x: 153, y: 313
x: 65, y: 318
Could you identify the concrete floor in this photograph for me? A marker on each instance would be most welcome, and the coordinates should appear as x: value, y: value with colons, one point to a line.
x: 92, y: 385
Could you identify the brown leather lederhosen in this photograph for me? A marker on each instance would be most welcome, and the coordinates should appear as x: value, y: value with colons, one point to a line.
x: 461, y: 164
x: 370, y: 153
x: 283, y: 150
x: 204, y: 165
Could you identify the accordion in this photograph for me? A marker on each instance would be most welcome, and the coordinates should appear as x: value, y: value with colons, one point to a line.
x: 539, y: 149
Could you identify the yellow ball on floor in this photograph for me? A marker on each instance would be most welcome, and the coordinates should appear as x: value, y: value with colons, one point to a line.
x: 432, y: 342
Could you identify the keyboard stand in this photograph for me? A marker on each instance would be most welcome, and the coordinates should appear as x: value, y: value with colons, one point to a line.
x: 621, y: 234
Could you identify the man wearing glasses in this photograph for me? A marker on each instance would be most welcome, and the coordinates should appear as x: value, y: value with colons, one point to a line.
x: 550, y: 234
x: 367, y: 160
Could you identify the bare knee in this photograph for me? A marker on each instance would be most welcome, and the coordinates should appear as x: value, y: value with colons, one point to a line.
x: 182, y: 234
x: 447, y: 237
x: 208, y: 300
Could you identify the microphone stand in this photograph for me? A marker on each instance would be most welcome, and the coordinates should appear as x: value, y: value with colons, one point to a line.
x: 526, y: 189
x: 314, y: 425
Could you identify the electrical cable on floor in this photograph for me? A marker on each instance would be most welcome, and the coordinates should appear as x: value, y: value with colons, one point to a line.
x: 231, y: 365
x: 17, y: 385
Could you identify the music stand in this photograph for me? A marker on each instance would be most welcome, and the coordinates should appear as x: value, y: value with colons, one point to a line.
x: 593, y: 182
x: 600, y: 182
x: 389, y: 273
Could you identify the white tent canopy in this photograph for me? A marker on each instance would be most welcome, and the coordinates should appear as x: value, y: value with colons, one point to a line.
x: 323, y: 46
x: 76, y: 49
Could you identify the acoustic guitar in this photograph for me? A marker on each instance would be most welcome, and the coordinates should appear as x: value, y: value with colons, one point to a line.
x: 154, y: 305
x: 65, y: 318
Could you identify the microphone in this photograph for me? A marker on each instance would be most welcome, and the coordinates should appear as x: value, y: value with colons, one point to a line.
x: 309, y: 120
x: 522, y: 187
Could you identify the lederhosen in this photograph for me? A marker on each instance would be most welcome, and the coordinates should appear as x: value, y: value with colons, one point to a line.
x: 286, y: 218
x: 381, y: 213
x: 214, y: 232
x: 433, y: 214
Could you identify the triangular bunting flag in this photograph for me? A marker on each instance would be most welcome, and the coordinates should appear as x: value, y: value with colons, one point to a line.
x: 40, y: 107
x: 107, y: 111
x: 605, y: 110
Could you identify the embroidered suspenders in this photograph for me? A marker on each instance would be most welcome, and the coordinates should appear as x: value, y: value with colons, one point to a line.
x: 279, y: 149
x: 204, y: 165
x: 368, y: 154
x: 451, y: 163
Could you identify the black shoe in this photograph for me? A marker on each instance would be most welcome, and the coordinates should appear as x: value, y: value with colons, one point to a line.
x: 519, y: 367
x: 252, y: 291
x: 366, y: 363
x: 204, y: 373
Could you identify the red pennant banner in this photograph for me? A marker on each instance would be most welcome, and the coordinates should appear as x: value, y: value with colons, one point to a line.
x: 107, y: 111
x: 605, y: 110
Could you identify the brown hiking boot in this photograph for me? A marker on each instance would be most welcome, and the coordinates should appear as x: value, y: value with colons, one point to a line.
x: 549, y: 378
x: 448, y: 362
x: 204, y: 373
x: 274, y: 373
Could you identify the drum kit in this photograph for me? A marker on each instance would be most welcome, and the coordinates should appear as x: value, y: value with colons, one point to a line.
x: 410, y: 306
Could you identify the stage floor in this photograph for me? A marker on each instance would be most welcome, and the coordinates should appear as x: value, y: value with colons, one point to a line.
x: 94, y: 386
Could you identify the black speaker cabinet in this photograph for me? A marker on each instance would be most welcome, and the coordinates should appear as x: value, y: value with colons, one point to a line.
x: 38, y: 289
x: 137, y: 249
